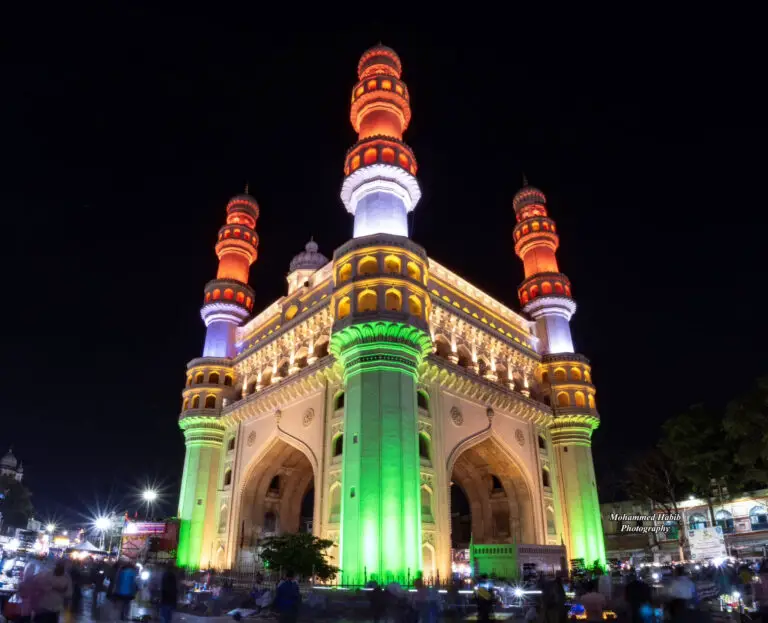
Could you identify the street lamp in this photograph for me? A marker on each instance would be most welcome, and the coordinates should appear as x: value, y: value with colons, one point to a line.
x: 102, y: 524
x: 150, y: 497
x: 50, y: 528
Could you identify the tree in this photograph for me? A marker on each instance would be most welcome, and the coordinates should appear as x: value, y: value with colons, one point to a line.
x: 746, y: 426
x: 652, y: 477
x: 702, y: 455
x: 16, y: 503
x: 302, y: 553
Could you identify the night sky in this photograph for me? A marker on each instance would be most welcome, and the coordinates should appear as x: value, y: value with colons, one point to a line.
x: 121, y: 145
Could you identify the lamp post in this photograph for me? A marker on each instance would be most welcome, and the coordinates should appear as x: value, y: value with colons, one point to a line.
x: 150, y: 497
x: 102, y: 524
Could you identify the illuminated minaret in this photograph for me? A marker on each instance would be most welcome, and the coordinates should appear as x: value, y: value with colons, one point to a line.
x: 380, y: 335
x: 545, y: 295
x: 228, y: 300
x: 380, y: 186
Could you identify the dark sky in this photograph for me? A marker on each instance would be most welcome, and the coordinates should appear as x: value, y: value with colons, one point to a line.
x: 124, y: 135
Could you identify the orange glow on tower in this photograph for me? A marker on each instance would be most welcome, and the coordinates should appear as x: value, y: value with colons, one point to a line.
x: 536, y: 243
x: 238, y: 242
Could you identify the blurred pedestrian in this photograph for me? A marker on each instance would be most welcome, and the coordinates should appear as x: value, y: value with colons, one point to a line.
x: 169, y: 594
x: 288, y: 599
x: 57, y: 590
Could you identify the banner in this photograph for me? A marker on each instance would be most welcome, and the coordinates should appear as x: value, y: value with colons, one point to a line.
x: 707, y: 543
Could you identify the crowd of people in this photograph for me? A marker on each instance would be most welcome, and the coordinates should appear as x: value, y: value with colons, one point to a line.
x: 49, y: 588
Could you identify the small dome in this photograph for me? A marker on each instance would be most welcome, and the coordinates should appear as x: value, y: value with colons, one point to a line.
x: 9, y: 460
x: 379, y: 60
x: 309, y: 258
x: 528, y: 195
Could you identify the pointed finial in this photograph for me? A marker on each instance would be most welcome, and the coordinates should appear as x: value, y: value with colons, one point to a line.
x: 246, y: 188
x: 525, y: 180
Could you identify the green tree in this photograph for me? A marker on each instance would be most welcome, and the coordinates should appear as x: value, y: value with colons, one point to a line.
x: 702, y: 456
x: 16, y: 503
x: 746, y: 426
x: 652, y: 477
x: 302, y: 553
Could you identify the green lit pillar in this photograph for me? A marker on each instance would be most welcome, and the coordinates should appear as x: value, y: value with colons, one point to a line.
x: 576, y: 475
x: 380, y: 337
x: 204, y: 438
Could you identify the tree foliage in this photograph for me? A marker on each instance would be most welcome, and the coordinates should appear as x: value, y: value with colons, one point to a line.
x: 16, y: 504
x: 302, y: 553
x: 746, y: 426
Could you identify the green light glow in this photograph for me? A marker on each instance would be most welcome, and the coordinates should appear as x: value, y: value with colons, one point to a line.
x: 381, y: 524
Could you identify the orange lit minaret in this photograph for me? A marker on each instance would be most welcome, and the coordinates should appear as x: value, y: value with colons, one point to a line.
x: 565, y: 375
x: 228, y: 298
x: 545, y: 293
x: 380, y: 186
x: 210, y: 379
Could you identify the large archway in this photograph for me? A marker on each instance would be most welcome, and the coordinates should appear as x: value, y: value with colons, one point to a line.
x: 494, y: 490
x: 275, y: 495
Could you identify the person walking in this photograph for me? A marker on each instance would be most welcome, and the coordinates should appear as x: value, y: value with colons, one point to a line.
x: 56, y: 593
x: 593, y: 602
x: 169, y: 594
x: 288, y: 599
x: 125, y: 589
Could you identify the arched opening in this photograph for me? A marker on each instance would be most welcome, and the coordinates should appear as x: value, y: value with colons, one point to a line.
x: 345, y: 273
x: 367, y: 266
x: 558, y: 287
x: 491, y: 494
x: 338, y: 445
x: 465, y: 357
x: 414, y: 306
x: 321, y: 348
x: 414, y: 272
x: 426, y: 504
x: 223, y: 517
x: 228, y: 380
x: 560, y: 376
x: 591, y: 401
x: 393, y: 301
x: 542, y: 443
x: 213, y: 378
x: 392, y: 264
x: 195, y: 402
x: 344, y: 308
x: 587, y: 376
x: 545, y: 377
x: 387, y: 154
x: 307, y: 513
x: 370, y: 156
x: 210, y: 402
x: 229, y: 294
x: 546, y: 288
x: 428, y: 561
x: 366, y: 301
x: 425, y: 450
x: 266, y: 377
x: 442, y: 346
x: 185, y: 404
x: 189, y: 380
x: 338, y: 401
x: 334, y: 503
x: 228, y: 478
x: 240, y: 297
x: 579, y: 399
x: 198, y: 378
x: 273, y: 499
x: 758, y: 518
x: 231, y: 444
x: 563, y: 400
x: 697, y: 520
x: 551, y: 527
x: 545, y: 480
x: 724, y: 519
x: 422, y: 399
x: 575, y: 374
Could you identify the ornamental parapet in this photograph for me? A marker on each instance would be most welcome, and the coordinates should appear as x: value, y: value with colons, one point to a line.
x: 544, y: 284
x: 392, y: 179
x: 380, y: 149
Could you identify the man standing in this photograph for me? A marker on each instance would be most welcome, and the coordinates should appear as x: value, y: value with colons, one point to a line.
x: 169, y: 594
x: 288, y: 599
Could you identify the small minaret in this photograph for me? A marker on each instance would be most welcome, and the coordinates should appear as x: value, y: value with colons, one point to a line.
x: 228, y: 298
x: 565, y: 376
x: 380, y: 186
x: 228, y: 301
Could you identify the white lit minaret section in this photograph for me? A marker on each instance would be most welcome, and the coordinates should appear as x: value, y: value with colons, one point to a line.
x: 380, y: 186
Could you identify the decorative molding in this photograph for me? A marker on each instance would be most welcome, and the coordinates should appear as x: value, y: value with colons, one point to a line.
x: 251, y: 438
x: 337, y: 429
x: 477, y: 389
x: 309, y: 415
x: 427, y: 479
x: 425, y: 427
x: 456, y: 417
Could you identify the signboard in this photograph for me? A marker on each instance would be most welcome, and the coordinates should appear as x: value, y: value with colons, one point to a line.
x: 707, y: 543
x: 144, y: 527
